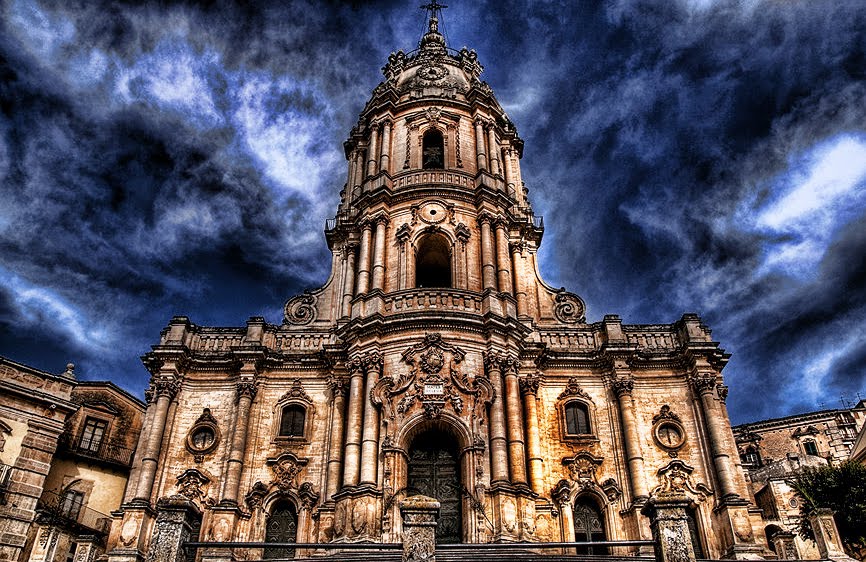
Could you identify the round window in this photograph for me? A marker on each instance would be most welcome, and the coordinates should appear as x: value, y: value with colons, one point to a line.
x: 203, y: 438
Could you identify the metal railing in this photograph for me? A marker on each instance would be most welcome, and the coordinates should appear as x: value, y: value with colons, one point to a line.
x: 104, y: 451
x: 55, y: 511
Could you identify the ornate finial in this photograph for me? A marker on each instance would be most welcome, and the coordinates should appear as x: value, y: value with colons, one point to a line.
x: 433, y: 42
x: 433, y: 8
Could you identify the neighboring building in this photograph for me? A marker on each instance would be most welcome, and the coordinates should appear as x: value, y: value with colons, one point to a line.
x: 66, y: 451
x: 858, y: 451
x: 771, y: 451
x: 434, y: 360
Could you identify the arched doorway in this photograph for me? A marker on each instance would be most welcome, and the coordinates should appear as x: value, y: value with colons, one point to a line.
x: 588, y: 526
x: 434, y: 470
x: 433, y: 262
x: 282, y: 526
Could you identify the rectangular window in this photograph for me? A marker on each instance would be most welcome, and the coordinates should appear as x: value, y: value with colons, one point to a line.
x: 70, y: 504
x: 91, y: 437
x: 576, y: 419
x: 811, y: 448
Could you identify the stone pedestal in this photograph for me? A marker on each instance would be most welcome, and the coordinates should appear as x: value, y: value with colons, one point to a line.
x: 670, y: 529
x: 784, y: 545
x: 827, y: 536
x: 419, y: 515
x: 175, y: 520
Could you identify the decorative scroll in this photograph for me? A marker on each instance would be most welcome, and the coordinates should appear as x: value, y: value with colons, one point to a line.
x: 573, y: 389
x: 300, y: 310
x: 675, y: 482
x: 569, y: 308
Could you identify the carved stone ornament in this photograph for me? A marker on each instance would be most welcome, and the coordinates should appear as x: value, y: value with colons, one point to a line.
x: 286, y: 468
x: 561, y: 493
x: 433, y: 382
x: 582, y: 466
x: 675, y: 483
x: 704, y: 382
x: 338, y: 386
x: 611, y: 489
x: 193, y: 485
x: 300, y: 310
x: 573, y: 389
x: 308, y: 495
x: 297, y: 392
x: 162, y: 386
x: 723, y: 392
x: 256, y: 495
x: 569, y: 308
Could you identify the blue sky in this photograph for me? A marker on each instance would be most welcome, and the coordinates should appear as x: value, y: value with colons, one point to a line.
x: 688, y: 156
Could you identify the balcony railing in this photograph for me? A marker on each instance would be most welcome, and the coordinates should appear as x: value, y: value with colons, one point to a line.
x: 68, y: 515
x: 105, y: 451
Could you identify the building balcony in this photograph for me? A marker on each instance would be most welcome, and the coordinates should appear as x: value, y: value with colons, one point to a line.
x: 440, y: 302
x: 104, y: 452
x: 64, y: 512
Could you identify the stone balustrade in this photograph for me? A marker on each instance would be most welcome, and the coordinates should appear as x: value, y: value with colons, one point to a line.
x: 653, y: 340
x: 419, y: 177
x: 585, y: 340
x: 433, y: 299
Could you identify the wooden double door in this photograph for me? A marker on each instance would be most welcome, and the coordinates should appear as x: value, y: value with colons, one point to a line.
x: 434, y: 471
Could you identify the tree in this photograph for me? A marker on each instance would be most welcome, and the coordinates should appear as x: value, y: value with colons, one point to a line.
x: 841, y: 488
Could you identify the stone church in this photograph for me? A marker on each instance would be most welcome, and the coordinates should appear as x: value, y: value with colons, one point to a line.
x: 434, y: 361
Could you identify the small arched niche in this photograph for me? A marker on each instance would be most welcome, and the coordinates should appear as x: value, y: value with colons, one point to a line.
x: 433, y: 150
x: 433, y: 262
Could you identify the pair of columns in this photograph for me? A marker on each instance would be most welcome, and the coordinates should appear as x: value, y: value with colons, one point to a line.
x: 495, y: 260
x: 490, y: 153
x: 361, y: 450
x: 507, y: 448
x: 374, y: 260
x: 162, y: 392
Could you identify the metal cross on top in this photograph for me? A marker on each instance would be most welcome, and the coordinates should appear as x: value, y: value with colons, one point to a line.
x: 434, y: 7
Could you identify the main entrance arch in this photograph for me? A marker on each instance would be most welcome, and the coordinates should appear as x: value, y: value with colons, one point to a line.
x: 434, y: 470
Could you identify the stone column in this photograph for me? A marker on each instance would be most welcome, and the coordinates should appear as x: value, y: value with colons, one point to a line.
x: 520, y: 279
x: 349, y: 284
x: 529, y: 390
x: 670, y: 528
x: 370, y: 443
x: 358, y: 173
x: 509, y: 175
x: 163, y: 389
x: 622, y: 387
x: 419, y: 515
x: 493, y: 150
x: 514, y: 421
x: 364, y: 258
x: 488, y: 268
x: 704, y: 385
x: 246, y: 393
x: 174, y: 524
x: 502, y: 260
x: 373, y: 149
x: 385, y: 159
x: 827, y: 536
x: 335, y: 451
x: 379, y: 254
x: 462, y: 273
x: 481, y: 157
x: 498, y: 441
x: 352, y: 455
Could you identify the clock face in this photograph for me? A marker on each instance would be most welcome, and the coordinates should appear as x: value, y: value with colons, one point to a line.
x: 669, y: 435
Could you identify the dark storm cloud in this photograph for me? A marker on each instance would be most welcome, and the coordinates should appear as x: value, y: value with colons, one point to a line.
x: 688, y: 156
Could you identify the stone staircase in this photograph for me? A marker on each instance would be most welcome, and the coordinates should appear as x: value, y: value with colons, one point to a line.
x: 456, y: 554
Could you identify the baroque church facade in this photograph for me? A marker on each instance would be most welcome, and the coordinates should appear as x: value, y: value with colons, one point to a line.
x: 434, y: 361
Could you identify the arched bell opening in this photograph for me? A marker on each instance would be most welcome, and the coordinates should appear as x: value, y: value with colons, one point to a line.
x: 433, y: 262
x: 281, y: 527
x: 433, y: 150
x: 589, y: 525
x: 433, y: 469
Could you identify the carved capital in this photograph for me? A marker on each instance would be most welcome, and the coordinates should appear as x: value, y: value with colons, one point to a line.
x: 163, y: 386
x: 704, y: 383
x: 338, y: 387
x: 247, y: 388
x: 722, y: 389
x: 403, y: 233
x: 486, y: 217
x: 355, y: 365
x: 372, y: 362
x: 529, y: 385
x: 623, y: 385
x: 478, y: 121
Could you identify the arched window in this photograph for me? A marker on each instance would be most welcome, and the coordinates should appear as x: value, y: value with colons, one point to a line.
x: 433, y: 151
x: 577, y: 419
x: 588, y: 526
x: 282, y: 526
x: 292, y: 421
x: 810, y: 447
x: 433, y: 262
